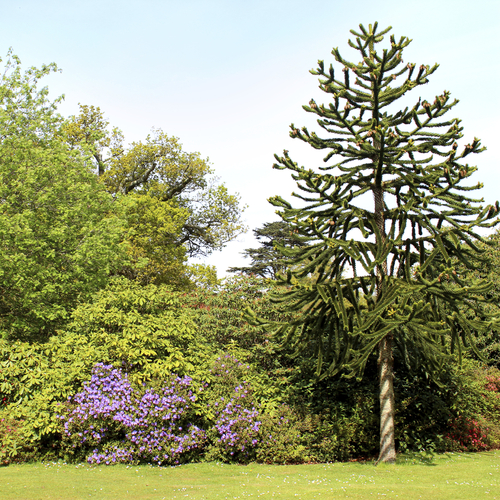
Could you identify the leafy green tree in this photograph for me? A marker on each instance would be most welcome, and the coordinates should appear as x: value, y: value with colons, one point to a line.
x: 59, y: 236
x: 152, y: 231
x: 161, y: 168
x: 384, y: 277
x: 267, y: 260
x: 88, y: 131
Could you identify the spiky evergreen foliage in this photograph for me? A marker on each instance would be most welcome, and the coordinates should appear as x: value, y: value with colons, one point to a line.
x: 384, y: 276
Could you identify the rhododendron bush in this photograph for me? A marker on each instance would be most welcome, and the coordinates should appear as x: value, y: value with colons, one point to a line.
x: 114, y: 422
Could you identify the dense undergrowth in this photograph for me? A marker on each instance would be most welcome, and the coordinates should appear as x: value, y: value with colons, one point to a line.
x: 144, y: 374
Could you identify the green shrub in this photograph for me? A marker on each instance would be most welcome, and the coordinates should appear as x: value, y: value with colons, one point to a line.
x: 143, y: 330
x: 281, y: 439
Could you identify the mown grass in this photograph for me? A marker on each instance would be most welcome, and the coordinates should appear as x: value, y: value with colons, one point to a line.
x: 449, y: 476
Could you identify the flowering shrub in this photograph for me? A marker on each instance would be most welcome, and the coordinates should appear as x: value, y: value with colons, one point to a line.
x: 475, y: 422
x: 120, y: 424
x: 467, y: 434
x: 237, y: 425
x: 232, y: 406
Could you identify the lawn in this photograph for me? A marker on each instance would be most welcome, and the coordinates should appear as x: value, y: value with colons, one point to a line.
x: 450, y: 476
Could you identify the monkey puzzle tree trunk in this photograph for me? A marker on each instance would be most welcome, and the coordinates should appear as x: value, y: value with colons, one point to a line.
x: 385, y: 359
x: 386, y: 396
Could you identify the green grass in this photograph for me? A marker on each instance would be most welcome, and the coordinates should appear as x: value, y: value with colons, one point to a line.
x: 450, y: 476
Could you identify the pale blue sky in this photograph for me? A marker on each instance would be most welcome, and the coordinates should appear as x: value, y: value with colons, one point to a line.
x: 228, y: 77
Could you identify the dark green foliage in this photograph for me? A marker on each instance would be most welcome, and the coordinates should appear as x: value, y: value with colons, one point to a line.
x: 486, y: 269
x: 219, y: 315
x: 475, y: 408
x: 267, y: 261
x: 399, y: 252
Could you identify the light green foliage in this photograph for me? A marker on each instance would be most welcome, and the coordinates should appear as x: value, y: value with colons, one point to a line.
x: 27, y: 116
x: 153, y: 230
x: 88, y: 132
x: 145, y: 330
x: 59, y: 237
x: 160, y: 168
x: 203, y: 276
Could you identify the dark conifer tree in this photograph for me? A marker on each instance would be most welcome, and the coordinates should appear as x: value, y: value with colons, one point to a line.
x: 267, y: 260
x: 384, y: 277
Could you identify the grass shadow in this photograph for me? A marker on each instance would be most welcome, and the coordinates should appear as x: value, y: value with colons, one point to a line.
x: 417, y: 458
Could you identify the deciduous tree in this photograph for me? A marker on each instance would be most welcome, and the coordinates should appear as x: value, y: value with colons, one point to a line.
x: 59, y: 236
x: 161, y: 168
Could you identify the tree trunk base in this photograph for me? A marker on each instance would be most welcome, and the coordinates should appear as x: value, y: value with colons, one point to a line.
x: 386, y: 379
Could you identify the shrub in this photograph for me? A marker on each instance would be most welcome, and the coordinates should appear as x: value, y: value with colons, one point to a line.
x: 462, y: 413
x: 232, y: 415
x: 237, y: 425
x: 281, y: 439
x: 112, y: 422
x: 466, y: 434
x: 476, y: 408
x: 247, y: 428
x: 145, y: 331
x: 12, y: 444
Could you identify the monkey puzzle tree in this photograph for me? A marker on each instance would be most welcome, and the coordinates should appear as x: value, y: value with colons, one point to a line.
x: 383, y: 270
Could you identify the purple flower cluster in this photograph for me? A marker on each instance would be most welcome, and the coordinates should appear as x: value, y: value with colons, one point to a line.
x: 148, y: 425
x: 237, y: 425
x: 237, y: 418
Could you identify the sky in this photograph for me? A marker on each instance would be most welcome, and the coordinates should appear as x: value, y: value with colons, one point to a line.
x: 228, y: 77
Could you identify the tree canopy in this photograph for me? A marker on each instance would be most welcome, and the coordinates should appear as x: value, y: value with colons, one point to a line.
x: 384, y: 277
x: 267, y: 261
x: 161, y: 168
x: 60, y: 236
